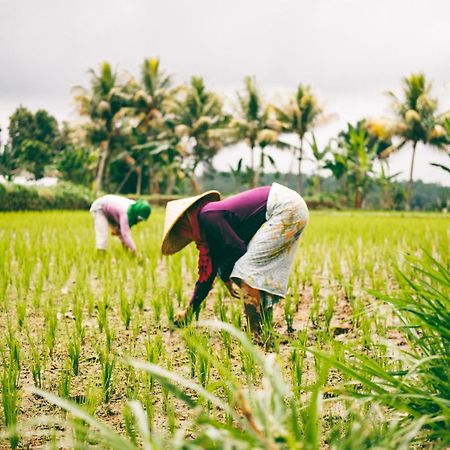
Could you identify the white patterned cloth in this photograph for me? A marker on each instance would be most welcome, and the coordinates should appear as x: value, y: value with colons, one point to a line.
x: 267, y: 263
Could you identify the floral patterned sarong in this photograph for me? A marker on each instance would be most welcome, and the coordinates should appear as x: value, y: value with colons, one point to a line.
x: 268, y: 261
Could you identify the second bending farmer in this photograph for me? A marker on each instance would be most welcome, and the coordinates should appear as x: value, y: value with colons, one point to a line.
x: 118, y: 214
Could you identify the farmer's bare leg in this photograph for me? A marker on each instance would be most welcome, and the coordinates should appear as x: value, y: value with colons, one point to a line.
x: 252, y: 306
x: 251, y: 292
x: 101, y: 229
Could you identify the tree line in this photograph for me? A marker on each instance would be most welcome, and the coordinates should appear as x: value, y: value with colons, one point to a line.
x: 150, y: 135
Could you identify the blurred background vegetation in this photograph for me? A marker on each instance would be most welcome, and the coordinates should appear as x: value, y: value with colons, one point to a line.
x: 152, y: 137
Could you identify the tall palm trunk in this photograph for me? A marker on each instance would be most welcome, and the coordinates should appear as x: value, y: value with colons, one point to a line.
x: 355, y: 198
x: 195, y: 184
x: 153, y: 182
x: 139, y: 180
x: 171, y: 181
x: 300, y: 158
x: 252, y: 167
x: 410, y: 182
x: 260, y: 169
x: 346, y: 191
x: 98, y: 184
x: 125, y: 179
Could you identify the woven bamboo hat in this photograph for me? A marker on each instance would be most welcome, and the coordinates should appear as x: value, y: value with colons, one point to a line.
x: 172, y: 242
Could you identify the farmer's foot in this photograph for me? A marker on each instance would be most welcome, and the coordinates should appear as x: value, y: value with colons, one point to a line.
x: 253, y: 315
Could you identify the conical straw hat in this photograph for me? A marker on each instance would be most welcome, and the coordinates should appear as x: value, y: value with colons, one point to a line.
x: 171, y: 242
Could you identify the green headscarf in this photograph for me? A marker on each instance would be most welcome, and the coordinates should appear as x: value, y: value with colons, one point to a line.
x: 140, y: 210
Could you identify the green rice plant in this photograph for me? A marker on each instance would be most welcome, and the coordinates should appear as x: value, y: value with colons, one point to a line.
x: 89, y: 299
x: 203, y: 362
x: 132, y: 383
x: 107, y: 363
x: 138, y: 295
x: 37, y: 290
x: 367, y: 329
x: 74, y: 351
x: 190, y: 339
x: 51, y: 324
x: 36, y: 363
x: 13, y: 359
x: 295, y: 294
x: 110, y: 336
x: 88, y: 402
x: 169, y: 410
x: 236, y: 313
x: 226, y: 338
x: 129, y: 422
x: 21, y: 310
x: 77, y: 309
x: 65, y: 380
x: 289, y: 313
x: 10, y: 385
x: 148, y: 398
x: 329, y: 311
x: 125, y: 308
x: 10, y: 403
x: 154, y: 349
x: 157, y: 304
x: 314, y: 313
x: 270, y: 338
x: 298, y: 354
x: 102, y: 313
x: 135, y: 331
x: 169, y: 306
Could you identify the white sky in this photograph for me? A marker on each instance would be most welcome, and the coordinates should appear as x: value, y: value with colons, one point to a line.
x: 350, y: 51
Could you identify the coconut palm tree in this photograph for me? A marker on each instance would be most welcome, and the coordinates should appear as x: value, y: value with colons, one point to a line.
x: 104, y: 104
x: 446, y: 125
x: 254, y: 125
x: 197, y: 117
x: 319, y: 156
x: 417, y: 119
x: 299, y: 116
x: 150, y: 132
x: 353, y: 161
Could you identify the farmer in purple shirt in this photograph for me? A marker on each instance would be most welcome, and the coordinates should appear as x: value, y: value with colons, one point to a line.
x: 118, y: 214
x: 249, y: 240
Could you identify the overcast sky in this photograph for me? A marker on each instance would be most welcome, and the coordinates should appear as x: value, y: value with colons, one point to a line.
x: 350, y: 51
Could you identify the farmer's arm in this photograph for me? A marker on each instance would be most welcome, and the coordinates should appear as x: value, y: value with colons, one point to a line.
x: 125, y: 234
x: 203, y: 285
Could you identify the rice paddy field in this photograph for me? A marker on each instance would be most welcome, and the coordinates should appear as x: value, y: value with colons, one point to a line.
x: 356, y: 357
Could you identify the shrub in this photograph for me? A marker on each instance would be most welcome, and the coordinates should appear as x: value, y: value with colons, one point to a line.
x: 64, y: 196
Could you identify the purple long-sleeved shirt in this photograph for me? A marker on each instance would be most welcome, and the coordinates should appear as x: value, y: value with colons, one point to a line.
x: 115, y: 209
x: 228, y: 226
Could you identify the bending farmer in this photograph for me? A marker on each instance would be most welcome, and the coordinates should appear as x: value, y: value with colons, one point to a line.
x: 118, y: 214
x: 248, y: 239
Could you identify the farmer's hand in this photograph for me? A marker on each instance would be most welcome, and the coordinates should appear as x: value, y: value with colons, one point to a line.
x: 231, y: 289
x: 115, y: 231
x: 182, y: 318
